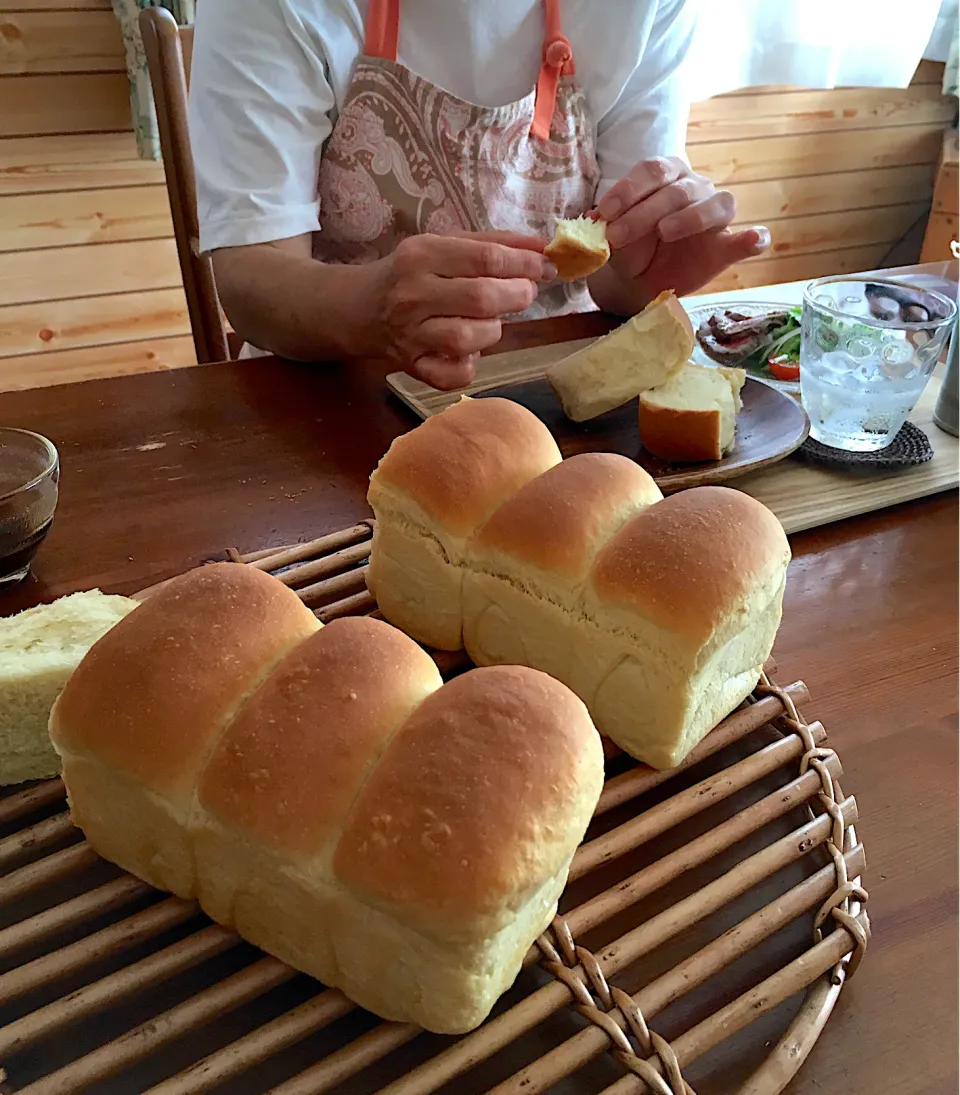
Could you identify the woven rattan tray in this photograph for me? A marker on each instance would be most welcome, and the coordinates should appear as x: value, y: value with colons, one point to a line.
x: 719, y: 903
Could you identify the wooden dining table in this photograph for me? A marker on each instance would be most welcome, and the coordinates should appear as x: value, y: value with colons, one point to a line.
x: 162, y: 471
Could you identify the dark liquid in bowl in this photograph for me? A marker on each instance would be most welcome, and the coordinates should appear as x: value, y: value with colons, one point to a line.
x: 17, y: 551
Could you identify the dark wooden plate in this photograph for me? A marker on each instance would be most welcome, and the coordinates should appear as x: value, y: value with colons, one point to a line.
x: 770, y: 426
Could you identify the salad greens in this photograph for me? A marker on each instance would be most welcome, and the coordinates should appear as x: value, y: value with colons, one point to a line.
x: 779, y: 354
x: 785, y: 340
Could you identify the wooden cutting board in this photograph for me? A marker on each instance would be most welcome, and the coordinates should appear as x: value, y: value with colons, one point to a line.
x: 802, y: 496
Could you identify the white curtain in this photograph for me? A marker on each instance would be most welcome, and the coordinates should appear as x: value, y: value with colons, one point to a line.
x: 816, y: 43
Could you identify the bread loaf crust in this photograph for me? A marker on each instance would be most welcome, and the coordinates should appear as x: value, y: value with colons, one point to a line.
x: 690, y: 563
x: 556, y: 522
x: 526, y: 564
x: 691, y: 434
x: 452, y: 850
x: 339, y: 696
x: 681, y: 436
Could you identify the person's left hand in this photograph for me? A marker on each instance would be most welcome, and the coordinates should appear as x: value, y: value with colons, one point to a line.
x: 667, y: 228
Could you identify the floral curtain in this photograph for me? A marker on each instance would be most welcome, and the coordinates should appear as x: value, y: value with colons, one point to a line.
x: 141, y: 95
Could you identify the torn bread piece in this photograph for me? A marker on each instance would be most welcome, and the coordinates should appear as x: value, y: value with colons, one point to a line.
x: 637, y: 356
x: 692, y: 416
x: 579, y: 248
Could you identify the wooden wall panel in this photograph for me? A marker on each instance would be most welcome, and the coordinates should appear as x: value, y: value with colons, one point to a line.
x: 90, y: 103
x: 856, y: 228
x: 89, y: 362
x: 731, y: 162
x: 65, y: 273
x: 89, y: 281
x: 87, y: 161
x: 832, y: 192
x: 788, y: 113
x: 846, y: 260
x: 92, y: 321
x: 65, y: 219
x: 60, y: 41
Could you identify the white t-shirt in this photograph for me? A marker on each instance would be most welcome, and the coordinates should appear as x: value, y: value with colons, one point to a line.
x: 269, y: 77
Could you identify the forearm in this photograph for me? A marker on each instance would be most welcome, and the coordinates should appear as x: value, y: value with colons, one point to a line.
x: 293, y: 306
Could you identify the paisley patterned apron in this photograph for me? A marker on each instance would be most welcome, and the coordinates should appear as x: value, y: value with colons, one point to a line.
x: 407, y: 157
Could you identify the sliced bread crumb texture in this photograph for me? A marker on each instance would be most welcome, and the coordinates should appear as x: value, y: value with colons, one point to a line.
x: 39, y: 649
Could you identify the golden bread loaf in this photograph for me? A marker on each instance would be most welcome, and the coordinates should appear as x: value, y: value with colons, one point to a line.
x: 435, y: 485
x: 322, y: 792
x: 658, y: 613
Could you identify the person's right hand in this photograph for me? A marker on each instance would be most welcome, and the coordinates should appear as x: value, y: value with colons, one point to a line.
x: 438, y: 300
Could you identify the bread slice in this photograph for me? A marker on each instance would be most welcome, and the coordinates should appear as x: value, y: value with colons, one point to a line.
x: 618, y: 367
x: 579, y: 248
x: 39, y: 649
x: 692, y: 416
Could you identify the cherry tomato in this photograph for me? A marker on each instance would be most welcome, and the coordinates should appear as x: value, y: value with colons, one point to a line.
x: 783, y: 368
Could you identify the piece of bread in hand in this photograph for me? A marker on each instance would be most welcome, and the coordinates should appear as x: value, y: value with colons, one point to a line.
x: 527, y: 564
x: 692, y: 416
x: 579, y: 248
x: 639, y: 355
x: 432, y: 488
x: 39, y: 649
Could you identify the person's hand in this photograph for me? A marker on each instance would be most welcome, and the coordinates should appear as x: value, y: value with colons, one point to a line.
x: 437, y: 301
x: 668, y: 229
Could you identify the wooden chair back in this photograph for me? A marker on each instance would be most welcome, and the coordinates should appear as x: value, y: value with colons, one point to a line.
x: 169, y: 52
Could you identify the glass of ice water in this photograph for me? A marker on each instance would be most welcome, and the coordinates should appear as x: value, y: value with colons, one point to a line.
x: 867, y: 349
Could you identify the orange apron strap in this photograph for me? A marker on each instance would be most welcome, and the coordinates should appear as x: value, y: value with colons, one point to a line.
x: 382, y: 30
x: 557, y: 62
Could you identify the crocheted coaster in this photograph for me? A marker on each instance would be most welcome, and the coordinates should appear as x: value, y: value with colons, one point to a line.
x: 910, y: 447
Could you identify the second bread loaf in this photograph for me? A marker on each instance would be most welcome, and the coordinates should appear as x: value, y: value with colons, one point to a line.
x: 657, y: 612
